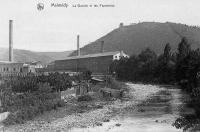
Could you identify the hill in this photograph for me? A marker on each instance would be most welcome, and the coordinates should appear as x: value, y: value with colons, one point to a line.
x: 28, y: 56
x: 135, y: 37
x: 56, y: 55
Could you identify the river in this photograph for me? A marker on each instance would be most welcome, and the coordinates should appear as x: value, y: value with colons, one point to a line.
x: 156, y: 113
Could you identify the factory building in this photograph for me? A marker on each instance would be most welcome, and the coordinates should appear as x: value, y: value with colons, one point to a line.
x: 10, y: 67
x: 15, y: 68
x: 96, y: 63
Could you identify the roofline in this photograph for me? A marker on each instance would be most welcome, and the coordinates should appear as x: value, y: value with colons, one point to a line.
x: 8, y: 62
x: 92, y: 55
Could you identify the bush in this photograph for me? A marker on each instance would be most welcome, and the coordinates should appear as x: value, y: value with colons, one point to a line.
x: 25, y: 106
x: 85, y: 98
x: 30, y: 82
x: 61, y: 103
x: 12, y: 119
x: 96, y: 87
x: 113, y: 83
x: 26, y: 97
x: 25, y: 113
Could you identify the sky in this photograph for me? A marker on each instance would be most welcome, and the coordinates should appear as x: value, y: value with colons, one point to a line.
x: 56, y: 28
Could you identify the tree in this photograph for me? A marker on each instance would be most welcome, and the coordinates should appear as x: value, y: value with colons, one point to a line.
x: 190, y: 67
x: 184, y: 49
x: 167, y: 53
x: 133, y: 68
x: 147, y: 64
x: 113, y: 67
x: 165, y: 68
x: 122, y: 68
x: 147, y: 55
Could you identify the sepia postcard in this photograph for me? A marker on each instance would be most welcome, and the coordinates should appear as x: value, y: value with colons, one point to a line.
x: 100, y: 66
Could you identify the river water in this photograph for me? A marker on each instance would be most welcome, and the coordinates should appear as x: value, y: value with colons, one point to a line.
x: 156, y: 114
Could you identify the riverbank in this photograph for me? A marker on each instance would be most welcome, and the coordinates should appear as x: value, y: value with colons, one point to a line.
x: 87, y: 114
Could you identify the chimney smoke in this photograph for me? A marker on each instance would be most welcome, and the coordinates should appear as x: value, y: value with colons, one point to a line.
x: 10, y: 40
x: 78, y: 46
x: 102, y: 46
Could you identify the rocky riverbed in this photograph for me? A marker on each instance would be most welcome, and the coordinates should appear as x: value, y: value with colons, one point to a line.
x: 82, y: 116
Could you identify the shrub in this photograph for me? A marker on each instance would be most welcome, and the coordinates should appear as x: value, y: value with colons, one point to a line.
x: 30, y: 82
x: 96, y: 87
x: 113, y: 83
x: 85, y: 98
x: 25, y: 106
x: 12, y: 119
x: 26, y: 97
x: 61, y: 103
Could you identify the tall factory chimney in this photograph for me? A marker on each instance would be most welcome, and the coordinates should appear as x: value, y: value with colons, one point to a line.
x: 10, y: 40
x: 78, y: 46
x: 102, y: 46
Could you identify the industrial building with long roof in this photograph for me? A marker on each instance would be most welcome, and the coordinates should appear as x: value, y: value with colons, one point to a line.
x: 96, y: 63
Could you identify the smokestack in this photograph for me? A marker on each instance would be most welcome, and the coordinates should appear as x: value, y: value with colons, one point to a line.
x: 78, y: 46
x: 102, y: 46
x: 10, y: 40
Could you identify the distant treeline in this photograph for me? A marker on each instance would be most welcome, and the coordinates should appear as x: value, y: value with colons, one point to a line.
x: 180, y: 67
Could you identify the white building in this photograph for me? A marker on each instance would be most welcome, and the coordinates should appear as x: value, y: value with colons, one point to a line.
x: 119, y: 55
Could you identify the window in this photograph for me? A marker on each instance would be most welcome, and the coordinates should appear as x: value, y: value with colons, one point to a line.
x: 14, y: 69
x: 4, y: 69
x: 7, y: 69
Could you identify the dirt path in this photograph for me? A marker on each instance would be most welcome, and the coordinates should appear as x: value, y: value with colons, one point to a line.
x: 65, y: 120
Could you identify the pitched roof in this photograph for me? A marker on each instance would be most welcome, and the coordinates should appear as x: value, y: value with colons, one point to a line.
x: 92, y: 55
x: 8, y: 62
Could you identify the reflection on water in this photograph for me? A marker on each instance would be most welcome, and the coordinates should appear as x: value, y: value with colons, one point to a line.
x: 166, y: 111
